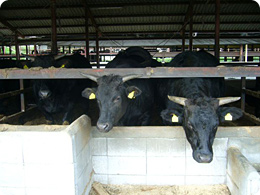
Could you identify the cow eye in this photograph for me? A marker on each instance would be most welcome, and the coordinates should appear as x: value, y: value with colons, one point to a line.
x: 117, y: 99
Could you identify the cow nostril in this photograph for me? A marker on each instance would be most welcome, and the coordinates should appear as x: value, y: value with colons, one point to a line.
x: 44, y: 93
x: 205, y: 158
x: 103, y: 126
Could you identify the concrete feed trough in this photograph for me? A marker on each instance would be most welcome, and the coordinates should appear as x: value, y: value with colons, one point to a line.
x: 68, y: 159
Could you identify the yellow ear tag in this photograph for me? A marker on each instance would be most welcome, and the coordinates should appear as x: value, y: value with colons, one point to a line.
x: 92, y: 96
x: 63, y: 66
x: 175, y: 118
x: 131, y: 95
x: 25, y: 67
x: 228, y: 117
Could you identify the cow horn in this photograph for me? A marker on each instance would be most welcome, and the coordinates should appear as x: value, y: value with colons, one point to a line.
x: 227, y: 100
x: 56, y: 57
x: 131, y: 76
x: 91, y: 77
x: 178, y: 100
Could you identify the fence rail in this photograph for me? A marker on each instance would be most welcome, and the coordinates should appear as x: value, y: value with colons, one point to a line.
x: 159, y: 72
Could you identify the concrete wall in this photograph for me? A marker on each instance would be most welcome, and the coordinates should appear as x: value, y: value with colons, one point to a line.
x: 45, y: 159
x: 153, y: 156
x: 67, y: 159
x: 242, y: 177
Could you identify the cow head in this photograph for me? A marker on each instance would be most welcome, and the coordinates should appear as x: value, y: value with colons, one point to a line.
x: 43, y: 89
x: 200, y: 118
x: 113, y: 96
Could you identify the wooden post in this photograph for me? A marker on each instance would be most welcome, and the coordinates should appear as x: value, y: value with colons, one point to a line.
x: 246, y: 52
x: 191, y: 29
x: 35, y: 50
x: 243, y: 81
x: 243, y: 95
x: 17, y: 53
x: 54, y: 48
x: 97, y: 49
x: 10, y: 51
x: 3, y: 49
x: 217, y: 28
x: 241, y: 55
x: 183, y: 39
x: 86, y: 32
x: 26, y: 51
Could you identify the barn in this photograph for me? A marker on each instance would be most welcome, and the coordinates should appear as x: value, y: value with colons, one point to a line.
x: 69, y: 155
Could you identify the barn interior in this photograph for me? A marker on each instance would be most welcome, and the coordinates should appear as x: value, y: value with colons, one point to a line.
x: 98, y: 30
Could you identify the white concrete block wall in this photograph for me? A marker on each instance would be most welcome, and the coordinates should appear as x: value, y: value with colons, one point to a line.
x: 145, y: 157
x: 66, y: 160
x: 243, y: 178
x: 48, y: 160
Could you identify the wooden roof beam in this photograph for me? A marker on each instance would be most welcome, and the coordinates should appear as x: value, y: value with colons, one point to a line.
x: 136, y: 24
x: 136, y: 15
x: 111, y: 5
x: 90, y: 15
x: 9, y: 26
x: 149, y: 32
x: 188, y: 15
x: 120, y: 38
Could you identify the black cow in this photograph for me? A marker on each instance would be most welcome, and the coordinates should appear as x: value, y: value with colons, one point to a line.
x: 195, y: 103
x: 123, y: 101
x: 58, y: 95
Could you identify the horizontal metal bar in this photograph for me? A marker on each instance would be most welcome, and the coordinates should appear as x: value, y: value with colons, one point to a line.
x: 160, y: 72
x: 252, y: 118
x: 13, y: 93
x: 14, y: 117
x: 255, y: 94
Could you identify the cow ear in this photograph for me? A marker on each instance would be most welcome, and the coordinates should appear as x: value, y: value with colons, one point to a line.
x: 172, y: 116
x: 229, y: 113
x: 89, y: 93
x: 132, y: 92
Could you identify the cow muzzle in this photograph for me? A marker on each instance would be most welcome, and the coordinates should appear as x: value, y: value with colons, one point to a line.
x: 104, y: 127
x: 202, y: 157
x: 44, y: 94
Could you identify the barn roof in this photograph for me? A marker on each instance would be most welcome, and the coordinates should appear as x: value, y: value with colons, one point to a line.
x: 127, y: 21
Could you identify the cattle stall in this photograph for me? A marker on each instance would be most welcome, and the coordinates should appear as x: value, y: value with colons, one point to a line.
x: 148, y: 155
x: 78, y: 159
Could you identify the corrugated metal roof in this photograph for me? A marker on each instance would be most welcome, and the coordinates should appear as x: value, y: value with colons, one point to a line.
x: 26, y: 13
x: 26, y: 3
x: 28, y: 23
x: 136, y: 20
x: 123, y: 19
x: 36, y: 31
x: 71, y: 11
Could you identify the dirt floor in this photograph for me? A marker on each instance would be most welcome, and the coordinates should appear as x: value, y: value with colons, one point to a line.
x: 98, y: 189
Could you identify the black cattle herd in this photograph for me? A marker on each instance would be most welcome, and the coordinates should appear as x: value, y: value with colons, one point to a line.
x: 194, y: 103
